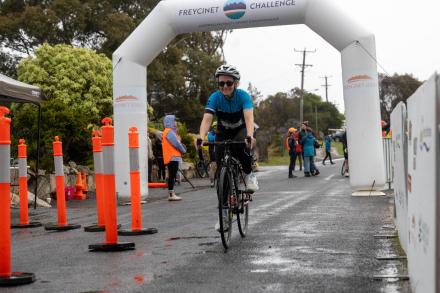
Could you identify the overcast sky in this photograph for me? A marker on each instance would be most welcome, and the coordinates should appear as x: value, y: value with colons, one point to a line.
x: 407, y: 39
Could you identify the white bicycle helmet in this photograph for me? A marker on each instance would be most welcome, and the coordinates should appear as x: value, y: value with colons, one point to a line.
x: 228, y: 70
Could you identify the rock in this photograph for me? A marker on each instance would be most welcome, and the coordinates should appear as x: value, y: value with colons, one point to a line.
x: 72, y: 165
x: 15, y: 200
x: 40, y: 202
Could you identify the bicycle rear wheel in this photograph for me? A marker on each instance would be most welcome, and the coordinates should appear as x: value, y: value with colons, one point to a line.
x: 201, y: 169
x: 225, y: 214
x: 343, y: 168
x: 243, y: 215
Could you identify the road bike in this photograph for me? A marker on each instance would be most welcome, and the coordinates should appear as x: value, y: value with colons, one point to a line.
x: 231, y: 194
x: 202, y: 165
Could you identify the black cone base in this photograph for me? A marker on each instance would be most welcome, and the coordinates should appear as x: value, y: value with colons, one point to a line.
x: 137, y: 232
x: 104, y: 247
x: 56, y: 227
x: 96, y: 228
x: 23, y: 226
x: 17, y: 279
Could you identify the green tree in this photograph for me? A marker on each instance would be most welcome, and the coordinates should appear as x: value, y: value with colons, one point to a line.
x: 78, y: 87
x: 254, y: 93
x: 179, y: 80
x: 395, y: 89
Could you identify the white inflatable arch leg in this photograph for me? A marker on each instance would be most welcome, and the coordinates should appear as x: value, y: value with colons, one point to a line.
x: 174, y: 17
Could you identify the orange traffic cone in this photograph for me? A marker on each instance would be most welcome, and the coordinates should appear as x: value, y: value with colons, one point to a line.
x: 84, y: 182
x: 79, y: 188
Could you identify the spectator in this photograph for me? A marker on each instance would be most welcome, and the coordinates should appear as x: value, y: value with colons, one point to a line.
x: 308, y: 142
x: 328, y: 146
x: 150, y: 156
x: 299, y: 152
x: 291, y: 147
x: 385, y: 129
x: 172, y: 153
x: 158, y: 155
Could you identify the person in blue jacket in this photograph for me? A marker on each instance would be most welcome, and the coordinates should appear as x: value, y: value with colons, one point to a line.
x: 328, y: 146
x: 308, y: 142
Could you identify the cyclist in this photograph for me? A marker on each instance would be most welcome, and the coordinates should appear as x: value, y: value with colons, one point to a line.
x: 235, y: 120
x: 235, y: 117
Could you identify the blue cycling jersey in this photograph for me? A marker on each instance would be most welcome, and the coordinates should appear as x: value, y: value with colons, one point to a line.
x: 211, y: 136
x: 229, y: 112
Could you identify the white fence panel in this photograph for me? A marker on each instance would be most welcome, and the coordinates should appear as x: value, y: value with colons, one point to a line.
x: 400, y: 164
x: 422, y: 187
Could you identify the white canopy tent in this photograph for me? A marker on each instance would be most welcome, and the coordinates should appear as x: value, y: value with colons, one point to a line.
x: 15, y: 91
x: 173, y: 17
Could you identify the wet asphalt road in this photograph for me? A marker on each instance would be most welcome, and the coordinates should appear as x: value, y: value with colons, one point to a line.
x: 305, y: 235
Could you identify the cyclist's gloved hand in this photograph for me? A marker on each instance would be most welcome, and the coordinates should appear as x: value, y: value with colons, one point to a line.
x: 250, y: 142
x: 199, y: 142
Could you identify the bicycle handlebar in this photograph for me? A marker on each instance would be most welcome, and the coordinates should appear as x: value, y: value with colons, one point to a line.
x: 226, y: 142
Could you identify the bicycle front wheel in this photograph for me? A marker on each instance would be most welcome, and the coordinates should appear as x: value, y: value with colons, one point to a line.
x: 243, y: 215
x: 225, y: 215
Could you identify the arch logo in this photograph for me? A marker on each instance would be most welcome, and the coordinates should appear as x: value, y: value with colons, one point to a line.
x: 235, y: 9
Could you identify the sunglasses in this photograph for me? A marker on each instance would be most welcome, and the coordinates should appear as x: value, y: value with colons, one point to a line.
x: 228, y: 83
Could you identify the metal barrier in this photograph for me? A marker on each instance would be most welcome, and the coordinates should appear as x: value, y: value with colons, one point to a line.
x: 388, y: 158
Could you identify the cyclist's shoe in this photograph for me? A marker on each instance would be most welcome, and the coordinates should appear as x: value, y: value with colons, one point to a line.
x: 225, y: 228
x: 212, y: 183
x: 251, y: 182
x: 306, y: 174
x: 316, y: 173
x: 241, y: 185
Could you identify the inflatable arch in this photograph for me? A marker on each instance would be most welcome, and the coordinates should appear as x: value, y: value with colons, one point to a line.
x: 173, y: 17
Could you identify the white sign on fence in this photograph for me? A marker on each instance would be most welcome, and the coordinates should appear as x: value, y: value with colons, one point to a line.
x: 422, y: 187
x: 400, y: 153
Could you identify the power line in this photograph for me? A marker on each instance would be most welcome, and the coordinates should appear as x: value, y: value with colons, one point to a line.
x: 372, y: 57
x: 326, y: 85
x: 303, y: 67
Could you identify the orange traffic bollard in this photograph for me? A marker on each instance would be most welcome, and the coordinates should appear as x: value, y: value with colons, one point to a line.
x: 7, y: 278
x: 135, y: 188
x: 99, y: 185
x: 111, y: 226
x: 61, y: 199
x: 157, y: 185
x: 79, y: 195
x: 84, y: 181
x: 23, y: 189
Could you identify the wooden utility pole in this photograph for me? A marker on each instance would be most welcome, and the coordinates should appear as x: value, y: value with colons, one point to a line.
x: 303, y: 67
x: 326, y: 85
